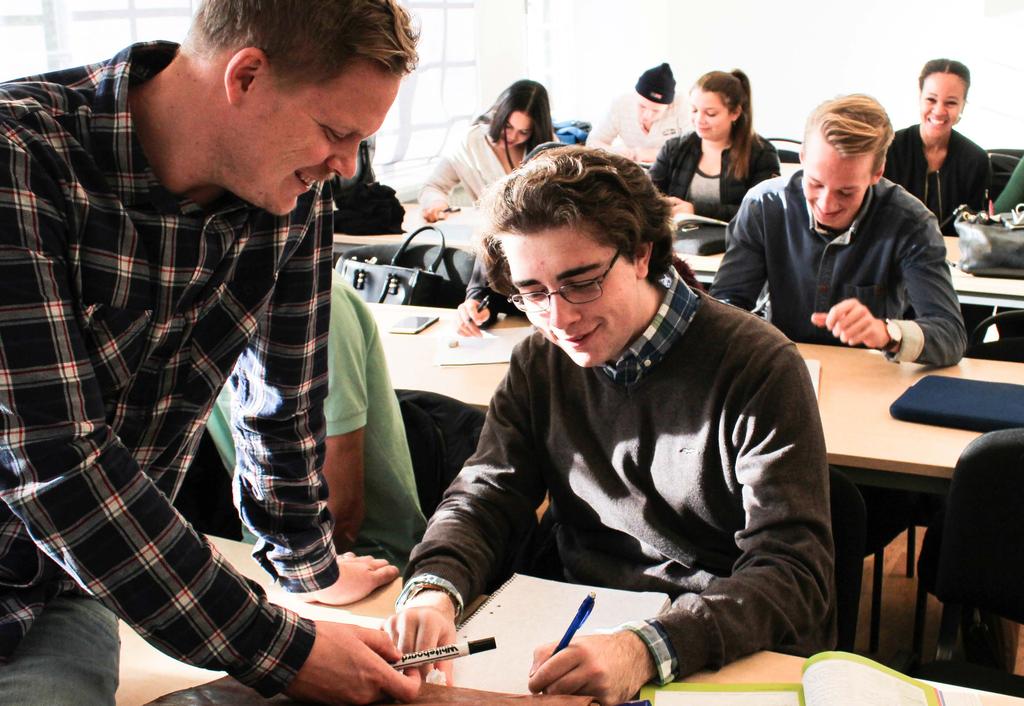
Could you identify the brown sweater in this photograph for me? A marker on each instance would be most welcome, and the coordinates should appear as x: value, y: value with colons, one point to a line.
x: 706, y: 480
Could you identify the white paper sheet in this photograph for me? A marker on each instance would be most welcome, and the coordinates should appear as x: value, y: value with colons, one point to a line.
x: 494, y: 347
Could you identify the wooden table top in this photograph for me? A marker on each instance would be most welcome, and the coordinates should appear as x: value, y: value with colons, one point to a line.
x: 856, y: 388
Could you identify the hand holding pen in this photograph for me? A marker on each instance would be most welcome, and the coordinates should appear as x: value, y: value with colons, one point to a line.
x: 610, y: 667
x: 471, y: 315
x: 577, y: 622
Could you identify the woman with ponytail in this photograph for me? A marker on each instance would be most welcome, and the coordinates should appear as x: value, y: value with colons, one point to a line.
x: 709, y: 170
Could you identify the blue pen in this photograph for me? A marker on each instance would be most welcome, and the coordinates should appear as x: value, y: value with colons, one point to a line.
x: 581, y: 616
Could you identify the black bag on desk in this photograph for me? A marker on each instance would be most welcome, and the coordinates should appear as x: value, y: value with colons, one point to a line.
x: 368, y: 209
x: 362, y: 205
x: 400, y: 274
x: 992, y: 246
x: 705, y: 239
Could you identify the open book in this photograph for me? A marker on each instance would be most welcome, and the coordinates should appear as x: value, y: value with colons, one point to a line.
x: 527, y: 612
x: 829, y: 679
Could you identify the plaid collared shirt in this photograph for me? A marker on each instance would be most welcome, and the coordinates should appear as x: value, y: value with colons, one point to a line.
x: 123, y: 309
x: 675, y: 313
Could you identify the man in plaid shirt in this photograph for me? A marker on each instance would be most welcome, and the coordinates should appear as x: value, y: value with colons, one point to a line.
x: 162, y: 218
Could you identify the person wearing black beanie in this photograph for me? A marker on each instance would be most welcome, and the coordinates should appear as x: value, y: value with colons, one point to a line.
x: 657, y: 85
x: 638, y: 123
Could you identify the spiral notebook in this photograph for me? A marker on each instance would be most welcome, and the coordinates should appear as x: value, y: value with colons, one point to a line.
x: 527, y: 612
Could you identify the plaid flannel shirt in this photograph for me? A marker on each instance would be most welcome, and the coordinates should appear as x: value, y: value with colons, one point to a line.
x: 123, y: 309
x: 677, y: 309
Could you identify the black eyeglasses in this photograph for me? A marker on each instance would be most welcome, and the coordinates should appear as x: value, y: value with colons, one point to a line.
x: 574, y: 293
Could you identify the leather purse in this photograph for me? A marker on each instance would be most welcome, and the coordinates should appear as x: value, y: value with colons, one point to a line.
x: 703, y: 239
x: 992, y: 246
x: 400, y: 274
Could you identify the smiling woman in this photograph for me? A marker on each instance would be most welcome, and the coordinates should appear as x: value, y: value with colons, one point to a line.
x: 709, y: 171
x: 936, y: 164
x: 497, y: 143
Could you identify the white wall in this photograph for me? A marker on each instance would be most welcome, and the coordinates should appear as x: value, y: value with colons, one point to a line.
x: 796, y: 52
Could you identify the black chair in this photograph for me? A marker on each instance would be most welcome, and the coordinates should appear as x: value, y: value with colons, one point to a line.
x: 889, y: 513
x: 1002, y: 162
x: 442, y: 433
x: 847, y: 510
x: 973, y: 555
x: 789, y: 150
x: 1009, y: 347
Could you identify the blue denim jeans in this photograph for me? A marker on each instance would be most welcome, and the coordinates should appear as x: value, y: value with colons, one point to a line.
x: 70, y: 656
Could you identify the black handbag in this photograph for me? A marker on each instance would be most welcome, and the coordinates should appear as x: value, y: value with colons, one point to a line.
x: 362, y: 206
x: 703, y: 239
x: 400, y: 274
x: 992, y: 246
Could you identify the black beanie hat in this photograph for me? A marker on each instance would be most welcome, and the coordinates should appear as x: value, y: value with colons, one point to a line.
x: 657, y: 84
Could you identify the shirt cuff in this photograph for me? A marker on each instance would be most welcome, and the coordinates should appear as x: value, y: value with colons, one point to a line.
x: 430, y: 581
x: 912, y: 344
x: 299, y: 570
x: 664, y: 655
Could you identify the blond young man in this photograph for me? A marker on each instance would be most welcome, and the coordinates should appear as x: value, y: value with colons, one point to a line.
x: 164, y: 218
x: 849, y: 258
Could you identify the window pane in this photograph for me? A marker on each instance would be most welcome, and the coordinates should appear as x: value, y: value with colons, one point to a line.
x: 96, y: 5
x: 459, y: 94
x: 169, y: 28
x: 24, y: 51
x: 461, y: 35
x: 97, y: 40
x: 164, y: 4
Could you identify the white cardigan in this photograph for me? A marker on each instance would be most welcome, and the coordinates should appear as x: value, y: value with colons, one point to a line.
x: 472, y: 162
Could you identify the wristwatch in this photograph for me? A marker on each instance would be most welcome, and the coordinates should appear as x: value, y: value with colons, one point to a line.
x: 430, y: 583
x: 895, y: 336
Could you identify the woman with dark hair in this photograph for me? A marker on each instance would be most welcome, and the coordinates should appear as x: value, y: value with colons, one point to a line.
x: 939, y: 166
x: 708, y: 171
x: 496, y: 143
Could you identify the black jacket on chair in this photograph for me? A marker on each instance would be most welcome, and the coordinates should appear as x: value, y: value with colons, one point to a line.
x: 677, y: 162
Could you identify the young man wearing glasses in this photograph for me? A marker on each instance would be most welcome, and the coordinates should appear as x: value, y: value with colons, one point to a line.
x: 677, y: 439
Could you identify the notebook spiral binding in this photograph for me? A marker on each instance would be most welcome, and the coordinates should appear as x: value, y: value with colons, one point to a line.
x: 480, y: 608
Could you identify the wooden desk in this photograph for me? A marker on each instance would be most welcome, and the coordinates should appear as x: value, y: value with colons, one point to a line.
x: 146, y: 673
x: 411, y: 357
x: 774, y: 667
x: 855, y: 391
x: 857, y: 387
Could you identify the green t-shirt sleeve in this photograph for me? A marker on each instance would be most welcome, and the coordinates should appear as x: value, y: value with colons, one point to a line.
x: 345, y: 408
x: 219, y: 427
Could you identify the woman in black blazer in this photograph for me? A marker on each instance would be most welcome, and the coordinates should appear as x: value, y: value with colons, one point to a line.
x: 709, y: 170
x: 932, y: 161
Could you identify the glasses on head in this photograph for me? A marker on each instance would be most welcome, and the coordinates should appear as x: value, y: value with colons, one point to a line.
x: 574, y: 293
